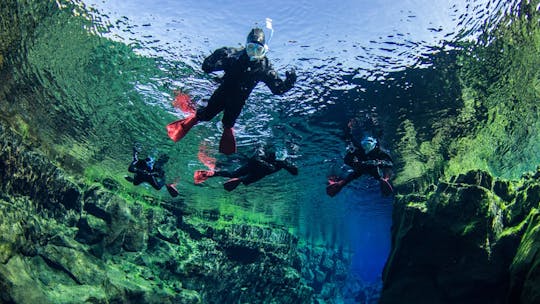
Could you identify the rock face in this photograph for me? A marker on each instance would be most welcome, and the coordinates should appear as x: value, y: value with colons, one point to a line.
x: 64, y: 241
x: 474, y: 239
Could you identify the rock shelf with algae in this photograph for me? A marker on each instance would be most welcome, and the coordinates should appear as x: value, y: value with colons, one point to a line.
x: 472, y: 239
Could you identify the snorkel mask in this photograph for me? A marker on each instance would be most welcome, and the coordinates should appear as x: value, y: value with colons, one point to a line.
x: 368, y: 144
x: 256, y: 46
x: 256, y: 51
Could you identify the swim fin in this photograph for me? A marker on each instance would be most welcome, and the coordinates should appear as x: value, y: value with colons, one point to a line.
x: 178, y: 129
x: 231, y: 184
x: 201, y: 175
x: 386, y: 188
x: 334, y: 186
x: 172, y: 190
x: 227, y: 144
x: 184, y: 103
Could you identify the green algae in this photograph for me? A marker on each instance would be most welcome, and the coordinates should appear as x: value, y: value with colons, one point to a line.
x: 466, y: 231
x: 526, y: 263
x: 508, y: 142
x: 485, y: 115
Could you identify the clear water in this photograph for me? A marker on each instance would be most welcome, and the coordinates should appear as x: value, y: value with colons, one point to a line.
x: 86, y: 100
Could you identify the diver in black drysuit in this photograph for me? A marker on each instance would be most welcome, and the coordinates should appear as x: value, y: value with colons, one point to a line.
x: 150, y: 171
x: 244, y: 67
x: 263, y: 163
x: 370, y: 159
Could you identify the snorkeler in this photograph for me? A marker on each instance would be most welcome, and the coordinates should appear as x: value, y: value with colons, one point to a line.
x: 244, y: 67
x: 370, y: 159
x: 263, y: 163
x: 150, y: 171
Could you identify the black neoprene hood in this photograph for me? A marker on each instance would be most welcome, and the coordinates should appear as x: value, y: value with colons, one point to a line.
x: 257, y: 36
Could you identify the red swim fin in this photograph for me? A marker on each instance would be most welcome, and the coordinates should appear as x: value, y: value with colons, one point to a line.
x: 227, y: 144
x: 183, y: 103
x: 178, y: 129
x: 334, y: 186
x: 201, y: 175
x: 209, y: 162
x: 386, y: 187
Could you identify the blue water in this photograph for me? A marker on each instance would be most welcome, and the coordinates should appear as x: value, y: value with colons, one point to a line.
x: 332, y: 46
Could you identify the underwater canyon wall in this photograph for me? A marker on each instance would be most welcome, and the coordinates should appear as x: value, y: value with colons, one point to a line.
x: 474, y: 239
x: 470, y: 232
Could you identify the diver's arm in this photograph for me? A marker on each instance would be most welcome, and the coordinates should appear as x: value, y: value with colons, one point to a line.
x: 385, y: 160
x: 218, y: 61
x: 275, y: 84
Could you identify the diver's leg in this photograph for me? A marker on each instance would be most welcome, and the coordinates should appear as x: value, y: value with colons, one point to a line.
x: 227, y: 144
x: 137, y: 179
x: 157, y: 182
x: 216, y: 104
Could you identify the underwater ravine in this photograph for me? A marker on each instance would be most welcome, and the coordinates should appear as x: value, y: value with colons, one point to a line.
x: 452, y: 88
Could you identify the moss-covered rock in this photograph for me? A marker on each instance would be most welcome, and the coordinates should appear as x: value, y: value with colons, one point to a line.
x: 457, y: 243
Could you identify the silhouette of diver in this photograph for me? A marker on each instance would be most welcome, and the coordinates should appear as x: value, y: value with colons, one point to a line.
x: 263, y: 163
x: 244, y: 67
x: 149, y: 171
x: 370, y: 159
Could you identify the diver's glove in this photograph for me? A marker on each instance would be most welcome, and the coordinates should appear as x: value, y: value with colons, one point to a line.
x: 291, y: 76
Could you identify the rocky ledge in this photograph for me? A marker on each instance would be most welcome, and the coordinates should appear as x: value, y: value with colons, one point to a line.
x: 475, y: 239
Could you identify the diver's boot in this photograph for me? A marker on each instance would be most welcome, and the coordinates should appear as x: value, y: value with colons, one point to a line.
x: 231, y: 184
x: 386, y: 188
x: 227, y: 144
x: 172, y: 190
x: 178, y: 129
x: 201, y: 175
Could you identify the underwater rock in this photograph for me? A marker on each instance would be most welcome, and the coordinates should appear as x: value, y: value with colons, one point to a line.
x: 91, y: 230
x: 457, y: 244
x: 28, y: 173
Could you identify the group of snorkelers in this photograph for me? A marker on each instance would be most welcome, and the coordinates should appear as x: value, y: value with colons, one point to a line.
x: 243, y: 68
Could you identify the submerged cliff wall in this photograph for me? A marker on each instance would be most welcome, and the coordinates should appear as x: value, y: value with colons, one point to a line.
x: 474, y: 239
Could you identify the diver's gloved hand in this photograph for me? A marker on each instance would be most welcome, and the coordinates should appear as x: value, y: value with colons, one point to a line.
x: 291, y: 76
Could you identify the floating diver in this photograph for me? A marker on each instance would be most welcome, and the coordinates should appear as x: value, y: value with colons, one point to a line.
x: 370, y: 158
x: 244, y: 67
x: 263, y: 163
x: 150, y: 171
